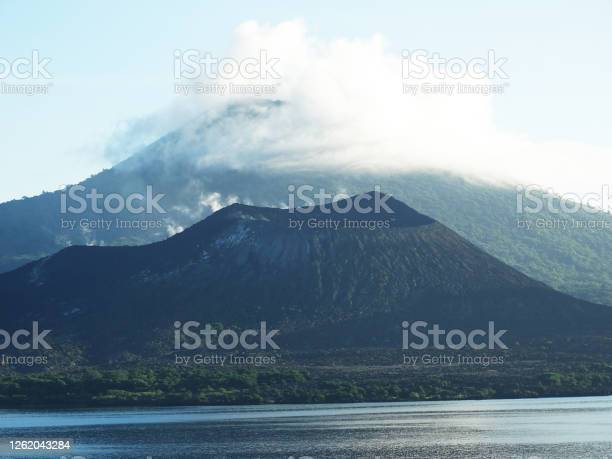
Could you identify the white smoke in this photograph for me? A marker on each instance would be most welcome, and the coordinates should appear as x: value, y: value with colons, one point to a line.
x: 214, y: 201
x: 343, y: 108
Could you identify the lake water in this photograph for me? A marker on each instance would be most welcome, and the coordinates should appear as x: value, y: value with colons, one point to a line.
x: 525, y: 428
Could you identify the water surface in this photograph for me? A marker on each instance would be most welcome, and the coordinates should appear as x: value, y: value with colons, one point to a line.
x: 523, y: 428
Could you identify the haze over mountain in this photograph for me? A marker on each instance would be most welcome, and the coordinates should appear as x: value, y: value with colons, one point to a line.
x: 349, y: 283
x: 572, y: 260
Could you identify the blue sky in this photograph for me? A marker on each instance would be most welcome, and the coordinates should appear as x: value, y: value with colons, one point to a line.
x: 111, y: 63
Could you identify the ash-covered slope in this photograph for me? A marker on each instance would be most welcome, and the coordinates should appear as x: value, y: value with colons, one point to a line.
x: 323, y: 278
x: 573, y: 260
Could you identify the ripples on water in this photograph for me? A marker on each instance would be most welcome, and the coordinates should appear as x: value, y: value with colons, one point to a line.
x: 526, y: 428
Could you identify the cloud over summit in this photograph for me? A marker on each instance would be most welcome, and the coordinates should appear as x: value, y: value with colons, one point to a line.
x: 340, y: 104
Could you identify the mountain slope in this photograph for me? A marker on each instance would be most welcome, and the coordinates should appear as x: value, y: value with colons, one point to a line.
x: 572, y: 260
x: 321, y: 287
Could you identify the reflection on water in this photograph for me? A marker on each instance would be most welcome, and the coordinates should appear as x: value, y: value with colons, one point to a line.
x: 543, y: 428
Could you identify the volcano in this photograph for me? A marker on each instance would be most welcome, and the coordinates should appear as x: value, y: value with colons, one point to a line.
x: 330, y: 276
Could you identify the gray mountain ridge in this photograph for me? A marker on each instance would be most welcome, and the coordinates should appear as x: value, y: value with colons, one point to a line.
x: 574, y: 260
x: 331, y: 287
